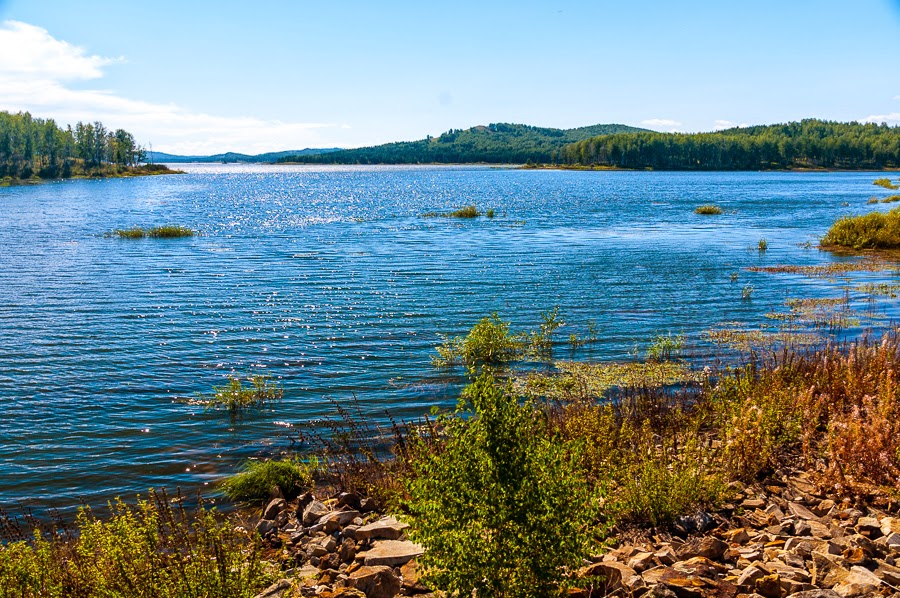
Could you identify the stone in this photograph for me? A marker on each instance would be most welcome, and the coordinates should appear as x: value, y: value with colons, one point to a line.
x: 393, y: 553
x: 786, y: 571
x: 694, y: 524
x: 815, y: 594
x: 613, y: 573
x: 410, y: 578
x: 890, y: 525
x: 888, y: 573
x: 869, y: 527
x: 666, y: 555
x: 307, y: 572
x: 737, y: 536
x: 367, y: 505
x: 801, y: 512
x: 819, y: 530
x: 827, y: 569
x: 375, y: 581
x: 274, y: 507
x: 348, y: 550
x: 707, y: 547
x: 276, y: 589
x: 685, y: 585
x: 891, y: 539
x: 749, y: 576
x: 342, y: 518
x: 769, y: 586
x: 350, y: 500
x: 314, y: 511
x: 753, y: 503
x: 265, y: 526
x: 823, y: 508
x: 859, y: 582
x: 387, y: 528
x: 700, y: 566
x: 802, y: 528
x: 641, y: 561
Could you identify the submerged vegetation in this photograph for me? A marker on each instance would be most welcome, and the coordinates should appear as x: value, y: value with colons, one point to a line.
x: 709, y: 210
x: 156, y: 232
x: 236, y: 398
x: 886, y: 183
x: 469, y: 211
x: 876, y: 230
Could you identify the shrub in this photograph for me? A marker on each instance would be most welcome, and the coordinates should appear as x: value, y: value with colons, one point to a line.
x: 131, y: 233
x: 490, y: 213
x: 762, y: 245
x: 664, y: 348
x: 503, y: 509
x: 255, y: 483
x: 147, y: 549
x: 876, y: 230
x: 709, y: 210
x: 488, y: 343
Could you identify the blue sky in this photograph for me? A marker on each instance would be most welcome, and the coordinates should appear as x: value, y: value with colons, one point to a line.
x: 201, y: 77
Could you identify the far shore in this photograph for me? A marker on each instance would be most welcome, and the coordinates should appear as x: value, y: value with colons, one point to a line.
x: 143, y: 170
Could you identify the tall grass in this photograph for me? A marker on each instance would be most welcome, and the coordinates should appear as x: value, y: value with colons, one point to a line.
x: 156, y: 232
x: 876, y: 230
x: 236, y: 397
x: 886, y: 183
x: 257, y: 479
x: 708, y: 210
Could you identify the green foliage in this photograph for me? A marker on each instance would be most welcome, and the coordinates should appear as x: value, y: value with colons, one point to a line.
x: 171, y: 231
x: 255, y: 482
x: 503, y: 509
x: 147, y: 550
x: 762, y: 245
x: 499, y: 143
x: 131, y: 233
x: 236, y: 398
x: 807, y: 144
x: 876, y: 230
x: 665, y: 347
x: 488, y: 343
x: 709, y: 210
x: 886, y: 183
x: 465, y: 212
x: 490, y: 213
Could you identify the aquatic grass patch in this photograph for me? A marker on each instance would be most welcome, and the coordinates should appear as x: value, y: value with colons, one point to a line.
x: 464, y: 212
x: 886, y: 183
x: 257, y: 479
x: 150, y: 548
x: 876, y: 230
x: 236, y: 397
x: 881, y: 288
x: 747, y: 340
x: 762, y: 245
x: 833, y: 269
x: 665, y: 347
x: 709, y: 210
x: 156, y: 232
x: 891, y: 199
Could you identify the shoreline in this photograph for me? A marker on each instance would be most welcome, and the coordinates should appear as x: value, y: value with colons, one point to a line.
x: 136, y: 172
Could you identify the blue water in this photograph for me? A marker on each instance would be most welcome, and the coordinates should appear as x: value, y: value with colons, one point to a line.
x: 327, y: 279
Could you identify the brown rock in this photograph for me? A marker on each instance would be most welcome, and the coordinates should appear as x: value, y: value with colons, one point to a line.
x: 888, y: 573
x: 347, y: 551
x: 816, y: 594
x: 869, y: 527
x: 700, y: 566
x: 375, y: 582
x: 801, y: 512
x: 276, y: 589
x: 641, y: 561
x: 769, y: 586
x: 749, y: 577
x: 707, y: 547
x: 666, y: 555
x: 274, y: 507
x: 858, y: 582
x: 685, y: 585
x: 827, y: 569
x: 410, y: 578
x: 393, y: 553
x: 753, y: 503
x: 314, y: 511
x: 387, y: 528
x: 823, y: 508
x: 737, y: 536
x: 613, y: 573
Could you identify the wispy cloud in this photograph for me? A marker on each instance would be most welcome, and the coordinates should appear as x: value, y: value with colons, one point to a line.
x: 727, y: 124
x: 897, y: 97
x: 660, y: 122
x: 892, y: 119
x: 37, y: 73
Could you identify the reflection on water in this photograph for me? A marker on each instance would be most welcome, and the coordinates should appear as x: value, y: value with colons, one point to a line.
x: 327, y: 279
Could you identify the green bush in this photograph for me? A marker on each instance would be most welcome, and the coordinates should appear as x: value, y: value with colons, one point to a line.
x: 503, y: 509
x: 488, y: 343
x: 876, y: 230
x: 147, y: 550
x: 255, y: 483
x: 665, y: 347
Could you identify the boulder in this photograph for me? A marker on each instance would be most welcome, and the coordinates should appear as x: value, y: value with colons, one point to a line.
x: 387, y: 528
x: 393, y: 553
x: 274, y: 507
x: 707, y: 547
x: 314, y: 511
x: 375, y: 582
x: 859, y: 582
x: 614, y: 574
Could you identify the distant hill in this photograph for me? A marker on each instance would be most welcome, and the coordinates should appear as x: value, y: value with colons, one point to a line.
x: 810, y: 143
x: 499, y: 143
x: 235, y: 157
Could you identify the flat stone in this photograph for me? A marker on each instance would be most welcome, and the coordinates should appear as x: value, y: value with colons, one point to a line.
x: 890, y: 525
x: 749, y: 576
x: 798, y: 510
x: 614, y: 574
x: 276, y: 589
x: 410, y: 575
x: 737, y: 536
x: 393, y: 553
x: 314, y: 511
x: 375, y: 581
x: 753, y: 503
x: 264, y: 526
x: 274, y: 507
x: 707, y: 547
x: 888, y: 573
x: 641, y: 561
x: 816, y: 594
x: 869, y: 526
x: 387, y: 528
x: 859, y: 582
x: 769, y: 586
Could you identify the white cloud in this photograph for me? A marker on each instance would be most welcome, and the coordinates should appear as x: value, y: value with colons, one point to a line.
x: 727, y: 124
x: 892, y: 119
x: 897, y: 97
x: 660, y: 122
x: 36, y: 73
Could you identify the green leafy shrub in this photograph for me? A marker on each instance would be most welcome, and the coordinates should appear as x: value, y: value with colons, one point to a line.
x: 503, y: 509
x: 876, y: 230
x: 147, y: 549
x: 708, y: 210
x: 255, y: 483
x: 488, y: 343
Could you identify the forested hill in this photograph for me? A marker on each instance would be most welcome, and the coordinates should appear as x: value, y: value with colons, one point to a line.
x: 806, y: 144
x: 235, y: 157
x: 499, y: 143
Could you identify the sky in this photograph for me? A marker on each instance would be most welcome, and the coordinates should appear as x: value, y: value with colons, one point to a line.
x: 202, y: 77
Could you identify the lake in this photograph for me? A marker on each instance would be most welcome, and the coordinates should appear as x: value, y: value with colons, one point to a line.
x: 328, y: 280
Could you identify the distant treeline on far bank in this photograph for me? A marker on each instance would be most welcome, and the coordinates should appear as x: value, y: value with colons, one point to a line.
x: 807, y: 144
x: 39, y: 148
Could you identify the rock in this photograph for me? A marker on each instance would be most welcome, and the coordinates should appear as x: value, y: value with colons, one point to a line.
x: 749, y: 577
x: 707, y: 547
x: 869, y: 527
x: 694, y: 524
x: 860, y: 581
x: 375, y: 581
x: 819, y: 530
x: 816, y: 594
x: 393, y: 552
x: 387, y: 528
x: 307, y: 572
x: 801, y: 512
x: 700, y: 566
x: 264, y: 527
x: 891, y: 539
x: 890, y: 525
x: 274, y: 507
x: 737, y: 536
x: 685, y: 585
x: 785, y: 571
x: 367, y: 505
x: 348, y: 550
x: 802, y: 528
x: 888, y: 573
x: 350, y: 500
x: 342, y: 592
x: 641, y: 561
x: 769, y: 586
x: 753, y: 503
x: 823, y: 508
x: 410, y: 578
x: 276, y: 589
x: 314, y: 511
x: 614, y: 574
x: 666, y: 555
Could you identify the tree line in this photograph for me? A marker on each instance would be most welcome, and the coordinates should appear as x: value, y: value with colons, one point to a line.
x: 37, y: 147
x: 807, y: 144
x: 498, y: 143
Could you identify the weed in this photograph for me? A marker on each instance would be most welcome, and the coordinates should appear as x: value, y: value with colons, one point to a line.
x: 664, y: 348
x: 747, y: 292
x: 170, y: 232
x: 236, y: 398
x: 891, y: 199
x: 490, y: 213
x: 709, y: 210
x: 255, y: 481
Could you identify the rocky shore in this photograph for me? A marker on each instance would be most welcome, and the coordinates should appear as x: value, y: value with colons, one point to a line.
x: 781, y: 537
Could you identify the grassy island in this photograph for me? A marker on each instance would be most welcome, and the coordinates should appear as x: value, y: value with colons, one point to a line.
x: 877, y: 230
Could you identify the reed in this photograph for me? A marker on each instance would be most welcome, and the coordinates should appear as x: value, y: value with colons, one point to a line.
x: 709, y: 210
